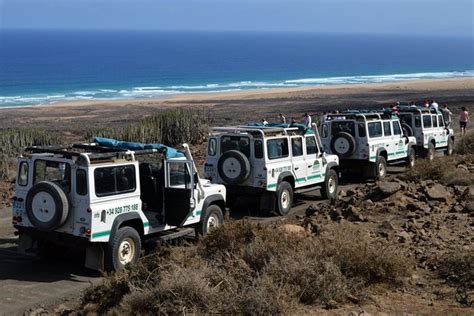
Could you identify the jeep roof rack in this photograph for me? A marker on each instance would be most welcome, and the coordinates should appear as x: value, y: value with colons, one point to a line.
x: 89, y: 152
x: 416, y: 109
x: 262, y: 130
x: 366, y: 115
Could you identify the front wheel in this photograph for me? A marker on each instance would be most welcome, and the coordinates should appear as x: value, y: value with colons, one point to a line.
x: 430, y: 152
x: 449, y: 151
x: 411, y: 158
x: 284, y: 198
x: 123, y: 248
x: 329, y: 190
x: 212, y: 219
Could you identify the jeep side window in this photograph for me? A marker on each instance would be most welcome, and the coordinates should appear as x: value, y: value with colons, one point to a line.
x: 435, y: 121
x: 361, y: 130
x: 81, y: 182
x: 427, y: 121
x: 179, y: 175
x: 375, y: 129
x: 211, y: 151
x: 311, y: 147
x: 440, y: 121
x: 417, y: 121
x: 386, y: 129
x: 297, y: 146
x: 23, y: 174
x: 324, y: 130
x: 114, y: 180
x: 277, y: 148
x: 258, y: 148
x: 396, y: 128
x: 53, y: 171
x: 239, y: 143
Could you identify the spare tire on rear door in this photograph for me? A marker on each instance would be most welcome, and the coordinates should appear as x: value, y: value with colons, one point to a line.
x: 47, y: 206
x: 343, y: 144
x: 233, y: 167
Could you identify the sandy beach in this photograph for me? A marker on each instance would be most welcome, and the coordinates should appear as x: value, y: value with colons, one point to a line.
x: 73, y: 118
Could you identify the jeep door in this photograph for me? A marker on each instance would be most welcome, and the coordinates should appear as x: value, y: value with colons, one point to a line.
x: 314, y: 161
x: 179, y: 188
x: 298, y: 161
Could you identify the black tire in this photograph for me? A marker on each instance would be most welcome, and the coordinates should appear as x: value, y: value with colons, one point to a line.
x: 411, y: 158
x: 213, y: 213
x: 450, y: 149
x: 407, y: 130
x: 238, y: 161
x: 380, y: 167
x: 113, y: 261
x: 343, y: 144
x: 284, y: 197
x: 329, y: 190
x: 54, y: 196
x: 430, y: 152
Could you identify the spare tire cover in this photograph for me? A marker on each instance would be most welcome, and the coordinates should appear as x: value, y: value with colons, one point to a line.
x: 47, y: 206
x: 233, y: 167
x: 343, y: 144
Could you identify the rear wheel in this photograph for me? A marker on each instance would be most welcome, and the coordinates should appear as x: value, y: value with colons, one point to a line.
x: 212, y: 219
x: 329, y: 190
x: 380, y: 167
x: 284, y: 198
x: 123, y: 248
x: 450, y: 149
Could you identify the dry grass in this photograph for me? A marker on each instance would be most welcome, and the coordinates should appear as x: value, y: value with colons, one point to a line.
x: 458, y: 270
x: 465, y: 145
x: 249, y: 269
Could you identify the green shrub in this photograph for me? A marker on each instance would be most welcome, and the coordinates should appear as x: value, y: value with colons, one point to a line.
x: 13, y: 141
x: 170, y: 127
x: 465, y: 145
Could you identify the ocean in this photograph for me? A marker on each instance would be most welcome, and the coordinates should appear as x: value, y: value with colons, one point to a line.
x: 44, y: 67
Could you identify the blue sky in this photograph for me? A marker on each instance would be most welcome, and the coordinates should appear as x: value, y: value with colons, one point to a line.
x: 420, y: 17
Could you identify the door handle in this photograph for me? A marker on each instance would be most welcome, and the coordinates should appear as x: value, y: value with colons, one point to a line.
x: 296, y: 168
x: 310, y: 166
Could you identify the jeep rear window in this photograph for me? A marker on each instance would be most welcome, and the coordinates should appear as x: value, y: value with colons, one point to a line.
x: 53, y: 171
x: 426, y: 121
x: 23, y: 174
x: 239, y: 143
x: 211, y: 151
x: 258, y: 148
x: 387, y: 131
x: 114, y: 180
x: 277, y: 148
x: 81, y: 182
x: 345, y: 126
x: 375, y: 129
x: 417, y: 121
x: 361, y: 130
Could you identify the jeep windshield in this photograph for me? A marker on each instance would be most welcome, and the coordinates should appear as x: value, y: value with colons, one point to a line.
x: 343, y: 126
x: 239, y: 143
x: 53, y: 171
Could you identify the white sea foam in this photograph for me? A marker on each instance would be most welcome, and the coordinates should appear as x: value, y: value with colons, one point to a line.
x: 157, y: 91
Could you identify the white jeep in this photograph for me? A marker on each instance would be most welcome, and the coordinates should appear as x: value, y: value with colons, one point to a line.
x: 429, y: 128
x: 109, y: 197
x: 367, y: 141
x: 271, y: 163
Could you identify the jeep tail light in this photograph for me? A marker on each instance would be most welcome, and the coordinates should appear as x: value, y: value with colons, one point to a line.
x: 88, y: 210
x: 88, y: 232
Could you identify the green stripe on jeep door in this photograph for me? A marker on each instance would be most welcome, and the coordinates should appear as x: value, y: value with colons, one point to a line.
x: 300, y: 180
x: 101, y: 234
x: 273, y: 185
x: 315, y: 176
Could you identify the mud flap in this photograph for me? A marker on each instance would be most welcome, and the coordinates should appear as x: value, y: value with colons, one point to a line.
x: 267, y: 202
x: 94, y: 257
